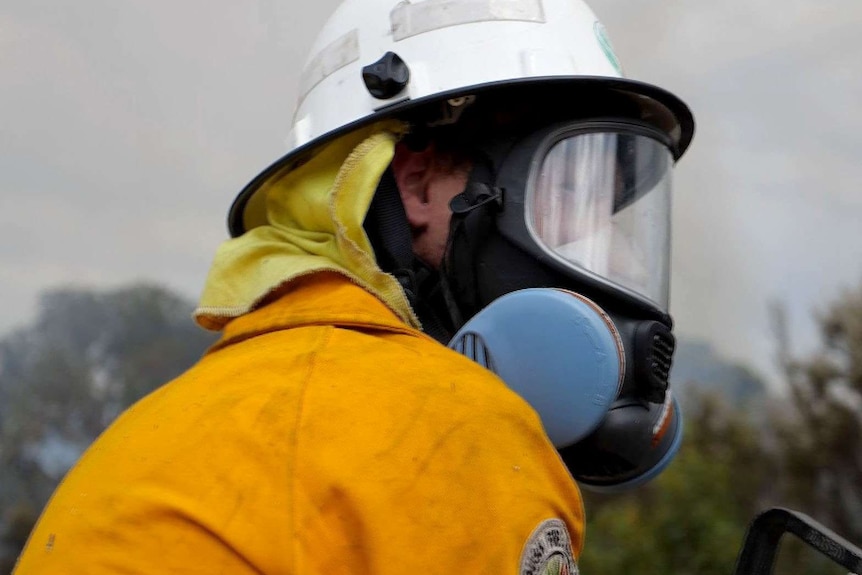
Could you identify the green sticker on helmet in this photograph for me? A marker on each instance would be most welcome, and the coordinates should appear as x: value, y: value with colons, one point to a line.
x: 607, y: 47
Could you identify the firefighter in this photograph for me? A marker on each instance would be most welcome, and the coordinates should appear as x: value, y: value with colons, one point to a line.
x: 444, y: 155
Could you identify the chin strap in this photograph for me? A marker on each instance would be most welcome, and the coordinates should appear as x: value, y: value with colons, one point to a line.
x: 389, y: 233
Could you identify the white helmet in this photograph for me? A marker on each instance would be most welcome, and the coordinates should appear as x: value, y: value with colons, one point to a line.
x: 378, y: 59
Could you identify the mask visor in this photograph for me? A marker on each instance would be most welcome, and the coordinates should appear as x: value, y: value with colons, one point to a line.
x: 600, y: 204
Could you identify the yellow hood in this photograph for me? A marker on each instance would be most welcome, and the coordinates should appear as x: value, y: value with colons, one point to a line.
x: 314, y: 216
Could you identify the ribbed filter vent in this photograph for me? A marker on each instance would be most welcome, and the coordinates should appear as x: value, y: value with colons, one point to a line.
x: 654, y: 346
x: 663, y: 345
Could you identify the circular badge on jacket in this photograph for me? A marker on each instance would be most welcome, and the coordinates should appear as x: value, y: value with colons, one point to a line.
x: 548, y: 551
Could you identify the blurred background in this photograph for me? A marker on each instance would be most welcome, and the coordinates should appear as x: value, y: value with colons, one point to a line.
x: 127, y: 127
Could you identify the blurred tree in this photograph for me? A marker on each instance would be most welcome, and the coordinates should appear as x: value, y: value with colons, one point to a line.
x: 86, y: 357
x: 821, y: 439
x: 692, y: 519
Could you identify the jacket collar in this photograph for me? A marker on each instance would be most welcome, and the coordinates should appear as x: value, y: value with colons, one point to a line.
x: 322, y: 298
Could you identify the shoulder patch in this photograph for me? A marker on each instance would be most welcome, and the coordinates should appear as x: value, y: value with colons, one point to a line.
x: 548, y: 551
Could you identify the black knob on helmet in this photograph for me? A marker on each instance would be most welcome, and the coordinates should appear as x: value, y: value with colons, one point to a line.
x: 387, y: 77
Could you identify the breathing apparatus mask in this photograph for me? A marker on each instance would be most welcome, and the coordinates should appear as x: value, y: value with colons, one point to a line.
x: 558, y: 258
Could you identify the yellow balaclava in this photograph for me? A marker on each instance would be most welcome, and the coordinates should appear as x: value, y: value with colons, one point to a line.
x: 305, y: 220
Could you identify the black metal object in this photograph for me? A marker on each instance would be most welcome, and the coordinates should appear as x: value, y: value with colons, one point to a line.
x: 764, y: 536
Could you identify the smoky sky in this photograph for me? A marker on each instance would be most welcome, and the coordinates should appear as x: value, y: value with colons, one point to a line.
x: 128, y: 127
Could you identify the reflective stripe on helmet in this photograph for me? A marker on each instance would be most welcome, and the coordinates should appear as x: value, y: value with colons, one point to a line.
x: 337, y: 55
x: 414, y: 19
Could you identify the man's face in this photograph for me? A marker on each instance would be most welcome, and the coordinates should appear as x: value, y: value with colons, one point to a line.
x: 428, y: 183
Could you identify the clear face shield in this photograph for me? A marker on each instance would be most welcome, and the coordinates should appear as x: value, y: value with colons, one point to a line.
x: 599, y: 202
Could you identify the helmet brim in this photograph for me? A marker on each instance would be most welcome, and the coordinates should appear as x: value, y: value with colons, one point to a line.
x: 652, y: 104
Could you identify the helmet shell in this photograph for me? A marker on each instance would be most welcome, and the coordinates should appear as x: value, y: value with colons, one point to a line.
x: 447, y: 45
x: 452, y: 48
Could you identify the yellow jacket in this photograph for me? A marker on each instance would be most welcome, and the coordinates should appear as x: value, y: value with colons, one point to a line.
x: 320, y: 435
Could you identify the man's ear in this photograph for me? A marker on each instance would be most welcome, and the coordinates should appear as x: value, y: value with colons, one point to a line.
x: 413, y: 171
